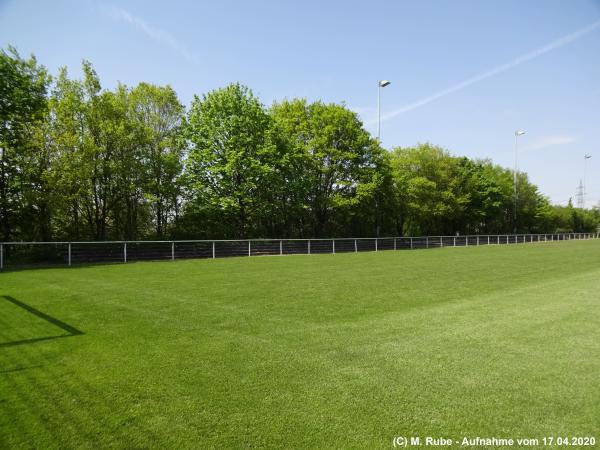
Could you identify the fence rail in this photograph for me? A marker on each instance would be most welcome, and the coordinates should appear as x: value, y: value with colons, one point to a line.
x: 23, y: 254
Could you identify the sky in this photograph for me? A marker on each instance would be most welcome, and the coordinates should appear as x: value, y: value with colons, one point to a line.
x: 465, y: 74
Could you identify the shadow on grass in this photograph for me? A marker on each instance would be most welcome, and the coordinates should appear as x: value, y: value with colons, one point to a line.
x: 71, y: 331
x: 20, y: 369
x: 85, y: 265
x: 42, y: 266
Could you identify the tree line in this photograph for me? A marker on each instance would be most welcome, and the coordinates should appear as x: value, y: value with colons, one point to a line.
x: 79, y: 162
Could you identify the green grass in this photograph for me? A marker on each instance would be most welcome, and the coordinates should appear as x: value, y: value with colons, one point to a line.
x: 330, y: 351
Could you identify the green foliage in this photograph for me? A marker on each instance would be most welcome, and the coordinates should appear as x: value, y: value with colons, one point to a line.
x: 81, y: 162
x: 23, y: 154
x: 330, y: 167
x: 116, y: 158
x: 428, y: 177
x: 157, y: 118
x: 229, y: 166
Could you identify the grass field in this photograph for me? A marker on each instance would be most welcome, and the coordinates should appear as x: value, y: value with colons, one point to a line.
x: 328, y: 351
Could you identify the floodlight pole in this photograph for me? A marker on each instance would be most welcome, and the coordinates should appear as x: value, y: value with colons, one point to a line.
x: 379, y: 113
x: 380, y: 84
x: 517, y: 134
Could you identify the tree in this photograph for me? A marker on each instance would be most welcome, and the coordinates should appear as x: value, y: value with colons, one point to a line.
x: 332, y: 163
x: 23, y: 87
x: 481, y: 185
x: 68, y: 135
x: 229, y: 165
x: 430, y: 183
x: 528, y: 200
x: 96, y: 159
x: 96, y: 163
x: 91, y: 163
x: 157, y: 117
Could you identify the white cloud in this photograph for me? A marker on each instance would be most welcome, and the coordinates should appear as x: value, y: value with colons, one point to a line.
x: 550, y: 141
x: 154, y: 33
x: 567, y: 39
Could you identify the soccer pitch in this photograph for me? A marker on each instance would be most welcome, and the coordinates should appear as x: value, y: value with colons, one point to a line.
x: 327, y: 351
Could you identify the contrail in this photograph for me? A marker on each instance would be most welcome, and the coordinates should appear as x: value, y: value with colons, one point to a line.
x: 496, y: 70
x: 154, y: 33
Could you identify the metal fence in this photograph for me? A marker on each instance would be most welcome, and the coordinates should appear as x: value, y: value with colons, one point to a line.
x: 24, y: 254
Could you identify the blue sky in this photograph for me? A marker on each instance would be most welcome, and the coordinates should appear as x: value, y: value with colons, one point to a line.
x: 465, y: 74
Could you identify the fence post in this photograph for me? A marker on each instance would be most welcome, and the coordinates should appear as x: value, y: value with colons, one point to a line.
x: 213, y: 249
x: 69, y: 254
x: 477, y: 239
x: 376, y: 244
x: 488, y: 239
x: 427, y: 241
x: 125, y: 252
x: 1, y: 256
x: 172, y: 251
x: 454, y: 241
x: 333, y: 240
x: 355, y: 246
x: 467, y: 240
x: 441, y: 241
x: 394, y: 243
x: 249, y: 250
x: 309, y: 246
x: 411, y: 243
x: 280, y: 247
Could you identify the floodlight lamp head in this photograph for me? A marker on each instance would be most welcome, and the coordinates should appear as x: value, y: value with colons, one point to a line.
x: 587, y: 156
x: 384, y: 83
x: 519, y: 133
